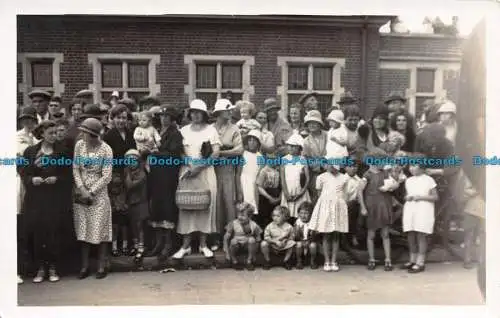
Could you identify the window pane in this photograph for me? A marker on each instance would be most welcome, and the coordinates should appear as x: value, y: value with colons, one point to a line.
x: 325, y: 104
x: 293, y: 98
x: 208, y: 98
x: 425, y: 80
x: 323, y: 78
x: 136, y: 96
x: 138, y: 75
x: 419, y: 108
x: 231, y: 76
x: 105, y: 95
x: 112, y: 75
x: 206, y: 76
x: 297, y: 77
x: 41, y: 74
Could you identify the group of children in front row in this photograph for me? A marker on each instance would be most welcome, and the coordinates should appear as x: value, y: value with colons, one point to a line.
x: 297, y: 223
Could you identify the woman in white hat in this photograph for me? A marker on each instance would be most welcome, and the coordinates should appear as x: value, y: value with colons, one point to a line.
x: 195, y: 135
x: 314, y: 147
x: 447, y: 117
x: 294, y: 170
x: 227, y: 186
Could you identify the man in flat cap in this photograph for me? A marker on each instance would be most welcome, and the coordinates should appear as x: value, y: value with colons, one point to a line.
x: 55, y: 108
x: 86, y: 96
x: 280, y: 128
x: 40, y: 100
x: 396, y: 102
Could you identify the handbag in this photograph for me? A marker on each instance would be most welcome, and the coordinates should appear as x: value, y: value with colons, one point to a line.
x: 206, y: 149
x: 192, y: 195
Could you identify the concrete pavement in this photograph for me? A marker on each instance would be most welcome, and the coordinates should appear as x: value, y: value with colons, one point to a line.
x: 441, y: 284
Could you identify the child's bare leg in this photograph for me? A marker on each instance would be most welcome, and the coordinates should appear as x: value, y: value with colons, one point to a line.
x: 335, y: 246
x: 386, y: 240
x: 299, y: 252
x: 233, y: 251
x: 422, y: 248
x: 264, y: 246
x: 140, y: 232
x: 252, y: 250
x: 288, y: 255
x: 313, y: 251
x: 371, y: 245
x: 115, y: 229
x: 412, y: 247
x: 327, y: 247
x: 124, y: 231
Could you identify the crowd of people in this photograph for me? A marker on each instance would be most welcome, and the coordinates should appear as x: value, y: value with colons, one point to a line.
x: 298, y: 210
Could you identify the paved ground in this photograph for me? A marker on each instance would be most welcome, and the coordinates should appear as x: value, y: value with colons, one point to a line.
x: 441, y: 284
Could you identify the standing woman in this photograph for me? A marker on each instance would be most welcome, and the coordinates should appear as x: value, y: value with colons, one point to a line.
x: 43, y: 205
x: 295, y: 117
x: 375, y: 132
x: 197, y: 138
x: 163, y: 181
x: 232, y: 146
x: 399, y: 122
x: 267, y: 146
x: 315, y: 148
x: 121, y: 139
x: 92, y: 208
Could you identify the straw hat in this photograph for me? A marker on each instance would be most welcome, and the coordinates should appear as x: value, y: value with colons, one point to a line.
x: 91, y: 126
x: 336, y: 115
x: 448, y: 107
x: 198, y: 104
x: 295, y: 140
x: 313, y: 115
x: 84, y: 93
x: 132, y: 153
x: 256, y: 134
x: 222, y: 105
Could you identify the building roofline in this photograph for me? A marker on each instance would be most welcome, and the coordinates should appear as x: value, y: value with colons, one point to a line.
x: 332, y: 20
x: 423, y: 35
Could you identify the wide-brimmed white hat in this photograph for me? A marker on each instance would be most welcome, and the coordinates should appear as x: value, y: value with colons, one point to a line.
x: 336, y: 115
x: 295, y: 140
x: 198, y: 104
x: 255, y: 133
x: 223, y: 104
x: 313, y: 115
x: 448, y: 107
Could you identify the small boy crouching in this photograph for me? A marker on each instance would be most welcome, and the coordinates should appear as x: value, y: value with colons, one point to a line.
x: 242, y: 234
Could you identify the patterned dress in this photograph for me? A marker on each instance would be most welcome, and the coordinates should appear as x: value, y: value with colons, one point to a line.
x: 330, y: 212
x: 93, y: 222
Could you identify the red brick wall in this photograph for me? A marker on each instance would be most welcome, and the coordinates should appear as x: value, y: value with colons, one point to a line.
x: 172, y: 41
x: 430, y: 46
x: 393, y: 80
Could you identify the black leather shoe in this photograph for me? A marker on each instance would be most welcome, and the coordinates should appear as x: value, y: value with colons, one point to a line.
x: 84, y: 273
x: 101, y: 275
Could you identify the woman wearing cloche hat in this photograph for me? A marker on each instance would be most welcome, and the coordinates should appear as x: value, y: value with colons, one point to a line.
x: 315, y: 147
x: 231, y: 147
x: 92, y: 207
x: 201, y: 141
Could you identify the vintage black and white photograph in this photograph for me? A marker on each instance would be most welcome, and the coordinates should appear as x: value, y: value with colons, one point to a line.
x: 234, y: 159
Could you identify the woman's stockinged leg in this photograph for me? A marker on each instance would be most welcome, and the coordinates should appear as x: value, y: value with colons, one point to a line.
x: 102, y: 257
x: 335, y: 246
x: 422, y: 248
x: 327, y: 238
x: 370, y: 237
x: 85, y: 256
x: 412, y: 246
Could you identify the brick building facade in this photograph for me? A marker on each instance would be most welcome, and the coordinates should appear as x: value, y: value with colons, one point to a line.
x: 179, y: 58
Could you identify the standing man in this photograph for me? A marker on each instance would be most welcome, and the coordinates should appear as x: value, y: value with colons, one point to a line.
x: 55, y: 109
x: 40, y: 100
x: 85, y: 96
x: 396, y: 102
x: 345, y: 100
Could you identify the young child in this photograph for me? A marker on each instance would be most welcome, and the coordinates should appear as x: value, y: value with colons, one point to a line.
x: 61, y: 129
x: 242, y: 234
x: 330, y: 215
x: 137, y: 200
x: 353, y: 185
x: 278, y: 236
x: 250, y: 169
x: 247, y: 111
x: 418, y: 215
x: 376, y: 204
x: 337, y: 135
x: 118, y: 198
x: 249, y: 126
x: 395, y: 140
x: 293, y: 168
x: 305, y: 244
x: 146, y: 136
x: 269, y: 187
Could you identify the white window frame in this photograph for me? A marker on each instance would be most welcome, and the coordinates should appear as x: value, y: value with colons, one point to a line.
x: 96, y: 61
x: 285, y: 61
x: 26, y: 59
x: 411, y: 93
x: 247, y: 61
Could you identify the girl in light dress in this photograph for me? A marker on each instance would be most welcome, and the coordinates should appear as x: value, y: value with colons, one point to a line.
x: 330, y: 216
x: 293, y: 170
x: 418, y: 215
x: 250, y: 169
x: 337, y: 135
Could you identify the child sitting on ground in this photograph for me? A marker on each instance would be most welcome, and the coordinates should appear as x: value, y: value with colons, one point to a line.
x: 305, y: 244
x: 278, y: 237
x: 242, y: 234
